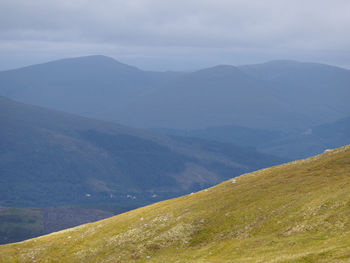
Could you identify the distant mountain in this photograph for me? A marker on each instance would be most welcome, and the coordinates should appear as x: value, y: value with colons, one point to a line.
x: 296, y: 212
x: 212, y: 97
x: 278, y: 95
x: 234, y: 134
x: 314, y: 140
x: 90, y: 86
x: 290, y: 145
x: 321, y: 91
x: 51, y: 158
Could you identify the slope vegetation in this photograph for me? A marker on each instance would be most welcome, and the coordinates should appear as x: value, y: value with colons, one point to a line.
x: 296, y: 212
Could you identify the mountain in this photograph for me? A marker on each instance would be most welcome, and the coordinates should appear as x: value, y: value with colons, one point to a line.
x: 337, y: 131
x: 88, y: 86
x: 318, y: 89
x: 278, y: 95
x: 296, y: 212
x: 234, y: 134
x: 289, y: 145
x: 316, y: 139
x: 49, y: 158
x: 214, y: 96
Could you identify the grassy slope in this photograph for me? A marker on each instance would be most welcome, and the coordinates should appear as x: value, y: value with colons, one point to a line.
x: 297, y: 212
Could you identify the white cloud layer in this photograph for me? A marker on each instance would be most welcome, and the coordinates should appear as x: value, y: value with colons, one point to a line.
x: 206, y: 31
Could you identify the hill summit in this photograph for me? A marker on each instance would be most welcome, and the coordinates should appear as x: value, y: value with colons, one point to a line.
x: 296, y: 212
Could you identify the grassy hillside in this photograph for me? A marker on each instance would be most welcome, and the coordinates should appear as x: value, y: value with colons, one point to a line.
x: 296, y: 212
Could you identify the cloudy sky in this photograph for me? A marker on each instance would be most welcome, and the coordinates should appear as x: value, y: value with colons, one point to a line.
x: 175, y: 35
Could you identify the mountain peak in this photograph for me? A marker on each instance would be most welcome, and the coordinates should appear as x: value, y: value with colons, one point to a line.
x: 97, y: 61
x: 220, y: 70
x: 96, y: 58
x: 84, y: 62
x: 222, y: 67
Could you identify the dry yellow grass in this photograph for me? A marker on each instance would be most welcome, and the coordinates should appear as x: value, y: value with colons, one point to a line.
x: 296, y: 212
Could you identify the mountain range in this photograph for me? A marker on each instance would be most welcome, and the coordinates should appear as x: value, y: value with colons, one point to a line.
x: 295, y: 212
x: 278, y: 95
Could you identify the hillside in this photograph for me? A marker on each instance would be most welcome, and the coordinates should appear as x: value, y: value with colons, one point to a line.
x: 316, y: 139
x: 278, y: 95
x: 291, y: 145
x: 315, y: 88
x: 215, y: 96
x: 234, y: 134
x: 296, y: 212
x: 49, y: 158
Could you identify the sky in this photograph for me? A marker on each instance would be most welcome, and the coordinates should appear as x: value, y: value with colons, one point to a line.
x: 175, y: 35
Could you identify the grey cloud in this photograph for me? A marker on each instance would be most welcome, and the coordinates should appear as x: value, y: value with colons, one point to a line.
x: 224, y: 26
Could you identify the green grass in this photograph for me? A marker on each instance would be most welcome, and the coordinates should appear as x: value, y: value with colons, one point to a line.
x: 297, y: 212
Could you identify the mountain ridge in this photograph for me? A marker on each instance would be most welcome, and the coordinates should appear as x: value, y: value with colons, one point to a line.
x: 286, y: 98
x: 93, y: 59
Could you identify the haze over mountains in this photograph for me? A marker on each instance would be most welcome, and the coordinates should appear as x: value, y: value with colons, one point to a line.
x: 290, y: 145
x: 174, y: 131
x: 96, y: 169
x: 279, y: 95
x: 217, y: 123
x: 52, y: 158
